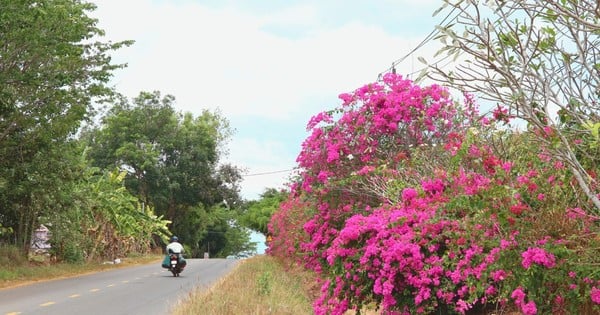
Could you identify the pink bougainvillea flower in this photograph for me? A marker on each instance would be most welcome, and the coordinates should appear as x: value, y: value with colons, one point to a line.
x: 573, y: 286
x: 529, y: 308
x: 501, y: 115
x: 518, y: 208
x: 536, y: 255
x: 346, y: 98
x: 320, y: 117
x: 323, y: 176
x: 518, y: 295
x: 498, y: 275
x: 491, y: 290
x: 409, y: 194
x: 595, y: 295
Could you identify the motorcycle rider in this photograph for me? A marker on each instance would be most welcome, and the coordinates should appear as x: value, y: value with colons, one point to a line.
x: 176, y: 248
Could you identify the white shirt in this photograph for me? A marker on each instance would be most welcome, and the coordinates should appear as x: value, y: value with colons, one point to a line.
x: 175, y: 248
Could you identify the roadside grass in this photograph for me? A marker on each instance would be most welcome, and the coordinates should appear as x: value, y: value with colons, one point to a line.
x: 15, y: 269
x: 257, y: 285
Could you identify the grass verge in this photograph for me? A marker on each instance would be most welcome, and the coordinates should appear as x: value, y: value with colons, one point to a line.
x: 258, y: 285
x: 24, y: 272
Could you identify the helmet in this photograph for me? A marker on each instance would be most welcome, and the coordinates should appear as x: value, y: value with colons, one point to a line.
x: 174, y: 238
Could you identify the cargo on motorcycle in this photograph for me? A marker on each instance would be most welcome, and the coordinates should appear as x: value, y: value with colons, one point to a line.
x: 174, y: 260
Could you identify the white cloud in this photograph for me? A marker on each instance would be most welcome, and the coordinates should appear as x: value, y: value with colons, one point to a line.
x: 298, y: 15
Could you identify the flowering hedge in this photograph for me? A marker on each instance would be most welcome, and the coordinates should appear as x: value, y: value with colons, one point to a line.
x: 415, y: 202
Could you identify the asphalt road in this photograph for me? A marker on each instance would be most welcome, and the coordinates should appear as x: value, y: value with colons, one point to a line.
x: 147, y: 289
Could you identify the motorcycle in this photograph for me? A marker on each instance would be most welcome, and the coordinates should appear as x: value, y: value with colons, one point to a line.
x: 174, y: 265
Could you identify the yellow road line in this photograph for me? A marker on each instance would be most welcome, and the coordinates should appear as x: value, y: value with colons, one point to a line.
x: 94, y: 290
x: 124, y: 281
x: 74, y: 295
x: 13, y: 313
x: 110, y: 285
x: 48, y: 303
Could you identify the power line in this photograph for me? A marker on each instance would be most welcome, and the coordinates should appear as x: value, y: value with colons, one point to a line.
x: 427, y: 38
x: 435, y: 63
x: 268, y: 173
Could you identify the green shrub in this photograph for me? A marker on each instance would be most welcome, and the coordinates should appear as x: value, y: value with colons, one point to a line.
x: 11, y: 255
x: 73, y: 254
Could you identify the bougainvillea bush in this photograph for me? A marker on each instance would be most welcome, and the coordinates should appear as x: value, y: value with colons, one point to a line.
x: 414, y: 202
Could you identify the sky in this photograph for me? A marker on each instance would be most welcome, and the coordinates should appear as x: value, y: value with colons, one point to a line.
x: 266, y: 66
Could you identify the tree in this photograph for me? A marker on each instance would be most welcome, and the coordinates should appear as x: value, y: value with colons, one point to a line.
x: 172, y: 160
x: 51, y: 71
x: 102, y: 220
x: 224, y: 236
x: 259, y: 213
x: 132, y: 137
x: 539, y: 58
